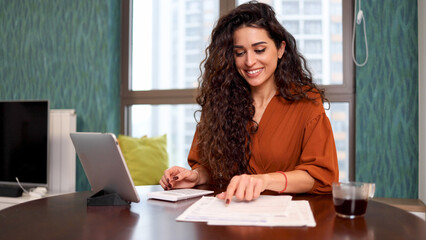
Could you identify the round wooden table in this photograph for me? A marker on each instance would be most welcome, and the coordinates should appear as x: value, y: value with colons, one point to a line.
x: 68, y: 217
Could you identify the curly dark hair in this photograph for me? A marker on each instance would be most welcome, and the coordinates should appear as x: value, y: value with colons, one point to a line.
x: 225, y: 98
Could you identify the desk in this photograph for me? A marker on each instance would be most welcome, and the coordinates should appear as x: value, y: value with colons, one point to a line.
x: 68, y: 217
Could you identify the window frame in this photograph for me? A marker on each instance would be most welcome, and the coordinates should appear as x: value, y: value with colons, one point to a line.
x: 335, y: 93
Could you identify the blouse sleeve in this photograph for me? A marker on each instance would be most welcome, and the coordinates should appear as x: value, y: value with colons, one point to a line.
x: 319, y: 157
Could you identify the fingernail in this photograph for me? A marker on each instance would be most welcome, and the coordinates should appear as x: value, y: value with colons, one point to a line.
x: 170, y: 186
x: 227, y: 201
x: 175, y: 178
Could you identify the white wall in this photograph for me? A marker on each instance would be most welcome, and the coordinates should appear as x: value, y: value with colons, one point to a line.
x: 422, y: 98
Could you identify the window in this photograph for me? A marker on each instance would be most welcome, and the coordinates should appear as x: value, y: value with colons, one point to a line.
x: 338, y: 114
x: 163, y: 45
x: 167, y: 39
x: 168, y: 42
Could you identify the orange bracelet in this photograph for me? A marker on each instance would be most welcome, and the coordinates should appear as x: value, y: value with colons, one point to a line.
x: 285, y: 187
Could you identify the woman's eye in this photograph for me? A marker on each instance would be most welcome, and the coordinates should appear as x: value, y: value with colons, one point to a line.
x: 239, y: 54
x: 260, y: 50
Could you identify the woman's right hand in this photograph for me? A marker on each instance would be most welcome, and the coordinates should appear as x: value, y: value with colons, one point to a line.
x: 179, y: 177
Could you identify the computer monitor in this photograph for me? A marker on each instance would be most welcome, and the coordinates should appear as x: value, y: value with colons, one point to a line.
x: 24, y: 135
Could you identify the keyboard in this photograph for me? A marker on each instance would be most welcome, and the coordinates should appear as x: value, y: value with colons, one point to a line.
x: 178, y: 194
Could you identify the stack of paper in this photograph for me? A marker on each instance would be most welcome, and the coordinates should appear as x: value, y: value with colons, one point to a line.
x: 264, y: 211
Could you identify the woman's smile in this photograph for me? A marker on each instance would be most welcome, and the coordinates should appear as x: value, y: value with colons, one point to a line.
x: 254, y: 73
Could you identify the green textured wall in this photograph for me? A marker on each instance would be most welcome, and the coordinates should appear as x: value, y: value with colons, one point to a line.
x: 66, y: 51
x: 387, y: 99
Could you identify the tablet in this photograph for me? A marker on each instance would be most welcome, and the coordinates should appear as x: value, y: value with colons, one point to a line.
x: 104, y: 164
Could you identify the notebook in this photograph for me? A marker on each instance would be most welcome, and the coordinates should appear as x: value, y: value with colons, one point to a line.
x: 104, y: 164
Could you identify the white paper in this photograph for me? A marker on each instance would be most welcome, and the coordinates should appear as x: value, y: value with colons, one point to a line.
x: 264, y: 211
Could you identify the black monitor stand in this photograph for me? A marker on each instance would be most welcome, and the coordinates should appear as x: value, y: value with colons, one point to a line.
x: 106, y: 198
x: 10, y: 191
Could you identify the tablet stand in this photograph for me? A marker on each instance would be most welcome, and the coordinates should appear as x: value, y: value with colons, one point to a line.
x: 106, y: 198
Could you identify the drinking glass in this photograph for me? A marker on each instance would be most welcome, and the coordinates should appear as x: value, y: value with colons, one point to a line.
x: 351, y: 198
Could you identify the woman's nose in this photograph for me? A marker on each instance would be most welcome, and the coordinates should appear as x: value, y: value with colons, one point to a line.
x: 250, y: 59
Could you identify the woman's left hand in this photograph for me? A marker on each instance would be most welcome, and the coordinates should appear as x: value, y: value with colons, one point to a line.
x: 244, y: 187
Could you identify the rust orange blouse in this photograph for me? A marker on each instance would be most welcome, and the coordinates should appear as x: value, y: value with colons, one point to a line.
x: 290, y: 136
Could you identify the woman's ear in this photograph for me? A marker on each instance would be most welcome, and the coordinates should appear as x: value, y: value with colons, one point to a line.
x: 281, y: 50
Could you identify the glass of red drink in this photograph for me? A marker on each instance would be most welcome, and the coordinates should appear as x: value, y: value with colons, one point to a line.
x: 351, y: 198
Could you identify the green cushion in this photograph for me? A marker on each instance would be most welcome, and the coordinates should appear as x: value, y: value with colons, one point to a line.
x: 146, y: 158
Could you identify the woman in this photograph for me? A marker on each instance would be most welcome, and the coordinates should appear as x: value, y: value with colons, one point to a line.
x: 263, y: 125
